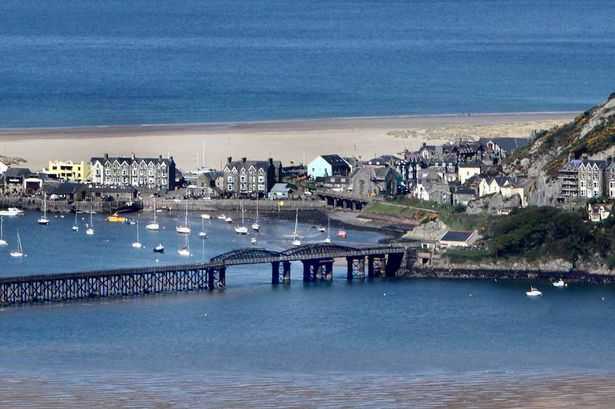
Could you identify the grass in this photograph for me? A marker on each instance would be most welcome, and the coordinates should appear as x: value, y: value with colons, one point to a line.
x: 424, y: 211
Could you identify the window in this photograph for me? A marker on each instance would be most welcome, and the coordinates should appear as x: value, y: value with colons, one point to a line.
x: 229, y: 180
x: 261, y: 179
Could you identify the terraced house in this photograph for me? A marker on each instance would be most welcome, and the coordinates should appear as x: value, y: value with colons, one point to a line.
x: 582, y: 178
x: 250, y: 177
x: 153, y: 174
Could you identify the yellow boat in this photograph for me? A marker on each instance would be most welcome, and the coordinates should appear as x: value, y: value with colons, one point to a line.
x: 116, y: 218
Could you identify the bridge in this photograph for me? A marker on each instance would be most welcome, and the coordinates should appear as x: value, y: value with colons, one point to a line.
x: 317, y: 261
x: 344, y: 200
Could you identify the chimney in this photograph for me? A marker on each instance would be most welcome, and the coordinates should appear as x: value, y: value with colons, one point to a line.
x: 271, y: 161
x: 244, y: 159
x: 229, y: 160
x: 584, y: 157
x: 106, y: 156
x: 133, y: 156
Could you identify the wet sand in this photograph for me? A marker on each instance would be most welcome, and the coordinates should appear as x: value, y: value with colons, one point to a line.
x: 298, y: 140
x: 488, y: 391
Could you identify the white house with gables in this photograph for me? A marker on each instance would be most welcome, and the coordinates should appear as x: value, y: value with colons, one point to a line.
x: 502, y: 185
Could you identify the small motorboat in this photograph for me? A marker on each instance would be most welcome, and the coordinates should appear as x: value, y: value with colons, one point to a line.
x: 116, y: 218
x: 228, y: 219
x: 221, y: 217
x: 533, y: 292
x: 296, y: 242
x: 241, y: 230
x: 205, y: 216
x: 256, y: 226
x: 90, y: 231
x: 184, y: 252
x: 203, y: 235
x: 253, y: 240
x: 159, y: 248
x: 560, y: 284
x: 342, y: 234
x: 11, y: 212
x: 152, y: 226
x: 322, y: 229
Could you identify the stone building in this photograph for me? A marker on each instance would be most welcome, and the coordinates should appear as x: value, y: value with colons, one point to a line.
x: 154, y: 174
x: 371, y: 181
x: 250, y: 177
x: 584, y: 178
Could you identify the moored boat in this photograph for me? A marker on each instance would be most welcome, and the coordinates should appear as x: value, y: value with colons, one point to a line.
x: 116, y: 218
x: 560, y: 284
x: 11, y: 212
x: 533, y: 292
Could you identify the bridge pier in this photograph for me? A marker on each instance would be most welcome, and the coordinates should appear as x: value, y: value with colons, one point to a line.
x: 356, y: 267
x: 375, y: 264
x: 275, y: 273
x: 286, y: 272
x: 317, y: 270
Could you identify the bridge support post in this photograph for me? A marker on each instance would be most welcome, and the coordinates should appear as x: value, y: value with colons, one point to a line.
x: 370, y: 267
x: 286, y: 272
x: 308, y: 270
x: 210, y: 278
x: 222, y: 278
x: 328, y: 273
x: 275, y: 273
x: 350, y: 271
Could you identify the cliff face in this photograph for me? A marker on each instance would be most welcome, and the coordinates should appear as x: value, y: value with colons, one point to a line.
x: 592, y: 133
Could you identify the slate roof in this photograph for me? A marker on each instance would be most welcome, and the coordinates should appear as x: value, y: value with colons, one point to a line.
x: 335, y: 160
x: 459, y: 236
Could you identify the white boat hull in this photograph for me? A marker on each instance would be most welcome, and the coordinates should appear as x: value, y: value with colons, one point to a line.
x: 241, y: 230
x: 152, y: 227
x: 137, y: 245
x: 533, y: 293
x: 16, y: 254
x: 3, y: 243
x: 89, y: 232
x: 183, y: 230
x: 183, y: 252
x: 205, y: 217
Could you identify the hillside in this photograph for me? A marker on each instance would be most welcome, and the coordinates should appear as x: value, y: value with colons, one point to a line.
x: 591, y: 133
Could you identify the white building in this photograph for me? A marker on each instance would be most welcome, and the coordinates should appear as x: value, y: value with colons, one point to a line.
x: 502, y: 185
x: 328, y: 165
x: 466, y: 171
x: 3, y: 168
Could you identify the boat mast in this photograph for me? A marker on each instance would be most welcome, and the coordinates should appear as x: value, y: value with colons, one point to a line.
x: 296, y: 223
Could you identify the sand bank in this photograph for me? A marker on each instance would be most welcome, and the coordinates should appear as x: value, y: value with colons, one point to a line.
x: 297, y: 140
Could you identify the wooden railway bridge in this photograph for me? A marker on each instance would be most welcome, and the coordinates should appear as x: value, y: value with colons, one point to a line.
x: 317, y: 260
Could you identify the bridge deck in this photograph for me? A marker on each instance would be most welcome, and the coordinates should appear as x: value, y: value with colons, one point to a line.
x: 155, y: 279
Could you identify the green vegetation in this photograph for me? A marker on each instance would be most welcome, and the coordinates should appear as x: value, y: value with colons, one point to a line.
x: 425, y: 211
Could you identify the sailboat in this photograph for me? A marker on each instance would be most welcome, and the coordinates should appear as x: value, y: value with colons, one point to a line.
x: 296, y: 241
x: 18, y: 252
x: 185, y: 251
x: 137, y: 244
x: 76, y: 223
x: 328, y: 239
x: 153, y: 226
x: 159, y: 248
x: 203, y: 233
x: 253, y: 240
x: 90, y: 230
x: 184, y: 228
x: 241, y: 229
x: 2, y: 241
x: 205, y: 216
x: 255, y: 225
x: 44, y: 220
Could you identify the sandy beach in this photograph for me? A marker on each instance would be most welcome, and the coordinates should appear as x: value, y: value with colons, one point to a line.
x: 290, y: 141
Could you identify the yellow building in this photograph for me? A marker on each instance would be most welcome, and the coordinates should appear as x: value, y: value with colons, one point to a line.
x: 70, y: 171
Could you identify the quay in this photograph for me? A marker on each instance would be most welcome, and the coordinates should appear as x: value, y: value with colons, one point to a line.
x: 317, y: 260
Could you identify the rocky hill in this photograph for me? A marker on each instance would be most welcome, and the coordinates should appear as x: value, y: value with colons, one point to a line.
x: 592, y: 133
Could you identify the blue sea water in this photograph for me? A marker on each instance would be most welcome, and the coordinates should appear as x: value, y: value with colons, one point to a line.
x: 407, y: 343
x: 88, y: 62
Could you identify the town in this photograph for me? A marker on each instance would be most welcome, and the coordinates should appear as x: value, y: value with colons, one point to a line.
x: 463, y: 177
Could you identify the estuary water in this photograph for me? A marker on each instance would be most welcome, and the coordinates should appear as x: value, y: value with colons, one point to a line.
x: 91, y: 62
x: 413, y: 343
